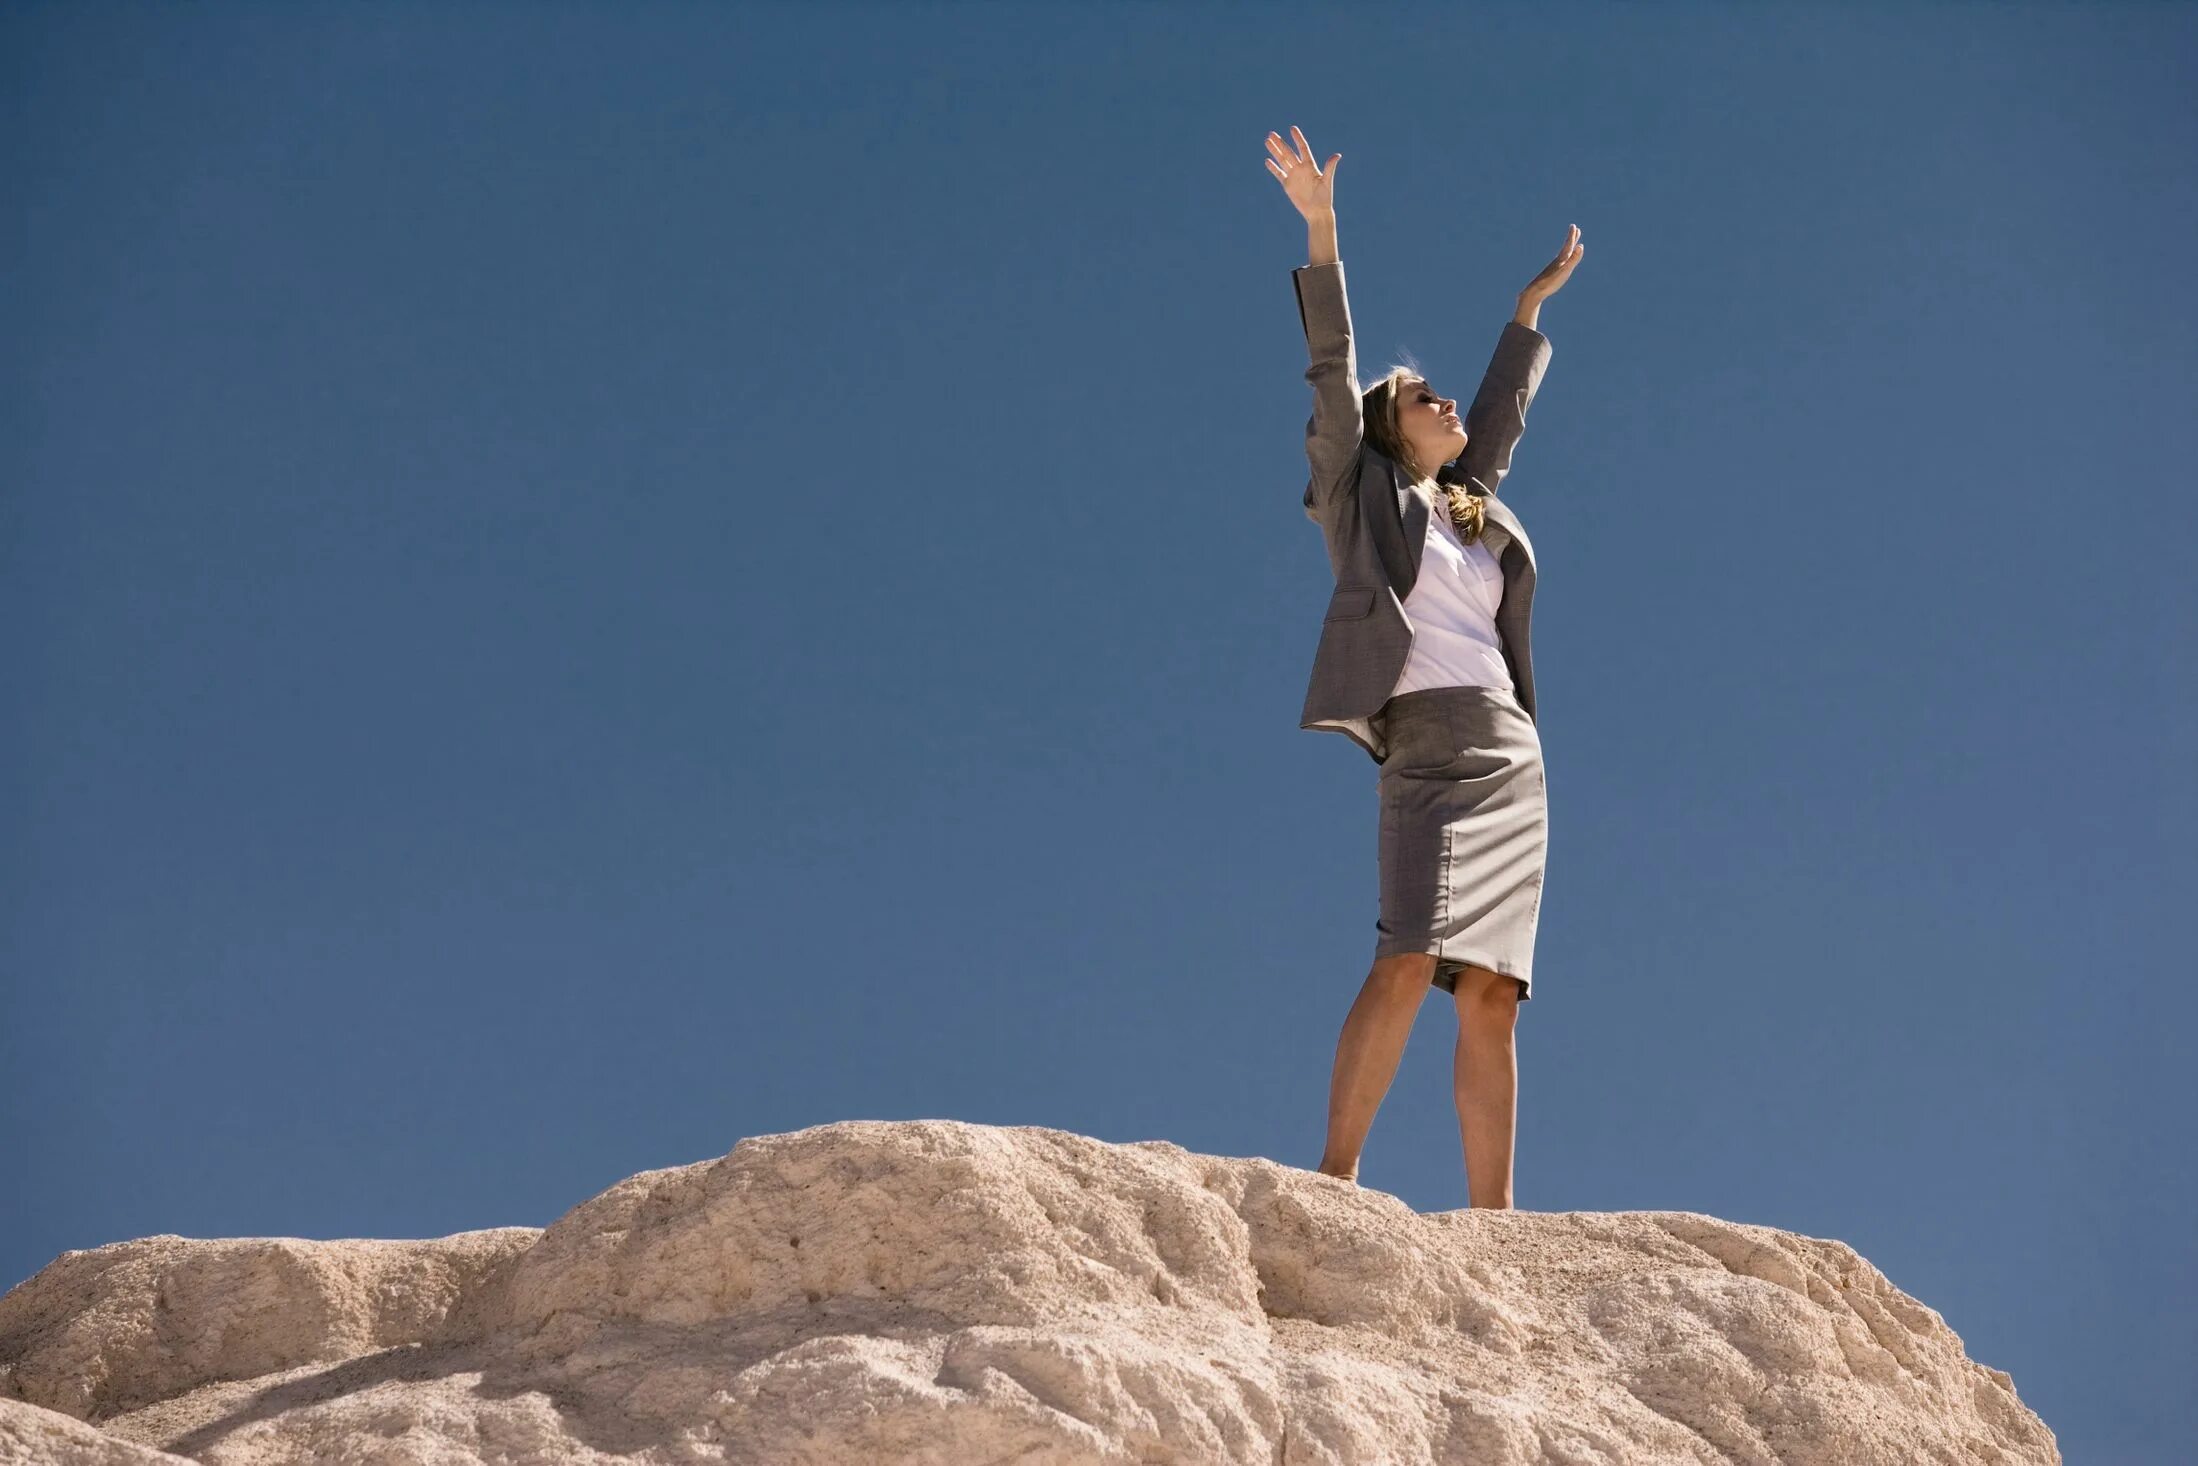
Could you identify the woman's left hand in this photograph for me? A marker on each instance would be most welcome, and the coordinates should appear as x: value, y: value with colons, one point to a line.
x: 1556, y: 272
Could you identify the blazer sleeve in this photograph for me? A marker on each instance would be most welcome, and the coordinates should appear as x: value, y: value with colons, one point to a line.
x: 1497, y: 418
x: 1334, y: 431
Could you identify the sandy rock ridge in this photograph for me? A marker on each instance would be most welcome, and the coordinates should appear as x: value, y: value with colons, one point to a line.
x: 940, y: 1292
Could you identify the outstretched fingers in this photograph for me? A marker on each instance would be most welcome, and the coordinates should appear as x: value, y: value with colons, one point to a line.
x: 1310, y: 188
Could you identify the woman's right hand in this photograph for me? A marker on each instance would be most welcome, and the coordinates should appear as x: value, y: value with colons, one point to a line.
x: 1311, y: 189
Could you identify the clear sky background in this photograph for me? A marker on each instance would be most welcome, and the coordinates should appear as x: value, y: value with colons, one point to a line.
x: 584, y: 582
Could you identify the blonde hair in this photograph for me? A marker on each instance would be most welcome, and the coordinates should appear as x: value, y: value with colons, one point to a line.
x: 1378, y: 408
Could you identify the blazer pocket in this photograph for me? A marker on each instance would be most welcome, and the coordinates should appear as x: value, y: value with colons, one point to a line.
x: 1349, y: 603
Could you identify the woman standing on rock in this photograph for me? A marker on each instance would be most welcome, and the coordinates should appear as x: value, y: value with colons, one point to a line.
x: 1424, y: 662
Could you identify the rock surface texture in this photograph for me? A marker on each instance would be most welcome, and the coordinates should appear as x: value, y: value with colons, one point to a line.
x: 932, y: 1291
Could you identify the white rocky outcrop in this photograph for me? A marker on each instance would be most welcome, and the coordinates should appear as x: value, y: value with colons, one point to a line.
x: 932, y: 1291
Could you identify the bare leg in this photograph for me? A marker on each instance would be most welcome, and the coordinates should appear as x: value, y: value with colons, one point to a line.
x: 1486, y: 1082
x: 1368, y: 1052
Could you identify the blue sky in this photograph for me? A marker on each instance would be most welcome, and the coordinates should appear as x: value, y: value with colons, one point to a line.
x: 583, y: 582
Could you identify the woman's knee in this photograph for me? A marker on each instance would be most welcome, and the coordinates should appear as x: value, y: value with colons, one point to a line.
x: 1486, y: 993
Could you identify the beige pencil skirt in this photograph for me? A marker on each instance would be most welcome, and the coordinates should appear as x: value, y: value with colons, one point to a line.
x: 1464, y: 832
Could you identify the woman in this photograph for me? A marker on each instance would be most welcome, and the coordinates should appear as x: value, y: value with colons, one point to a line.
x: 1425, y: 662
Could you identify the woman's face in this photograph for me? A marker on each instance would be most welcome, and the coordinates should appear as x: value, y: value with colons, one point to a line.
x: 1429, y: 423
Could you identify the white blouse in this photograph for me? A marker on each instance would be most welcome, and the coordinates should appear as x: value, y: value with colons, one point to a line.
x: 1452, y: 609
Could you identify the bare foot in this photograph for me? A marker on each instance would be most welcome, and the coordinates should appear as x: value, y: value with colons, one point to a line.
x: 1350, y: 1175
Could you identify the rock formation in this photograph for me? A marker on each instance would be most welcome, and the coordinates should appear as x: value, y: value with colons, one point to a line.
x: 938, y: 1292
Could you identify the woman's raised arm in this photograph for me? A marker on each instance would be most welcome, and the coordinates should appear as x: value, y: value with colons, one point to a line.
x: 1333, y: 433
x: 1497, y: 419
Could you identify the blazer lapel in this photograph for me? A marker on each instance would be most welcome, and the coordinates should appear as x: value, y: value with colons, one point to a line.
x: 1419, y: 510
x: 1418, y: 514
x: 1498, y: 512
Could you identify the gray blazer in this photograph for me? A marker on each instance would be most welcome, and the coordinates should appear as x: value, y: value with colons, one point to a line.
x: 1376, y: 524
